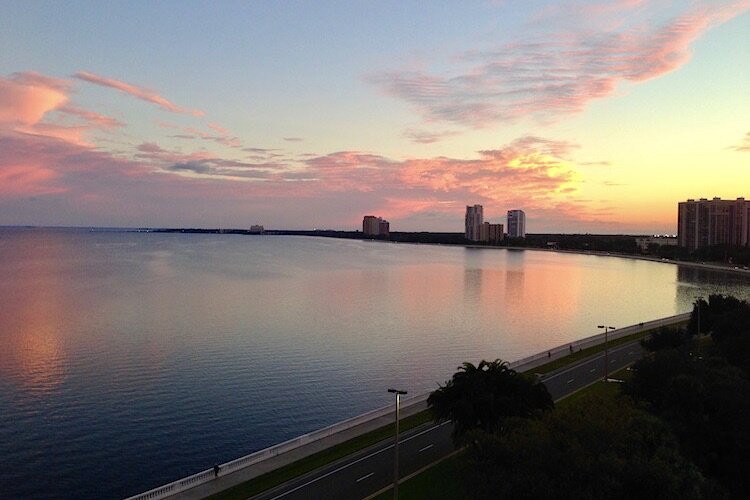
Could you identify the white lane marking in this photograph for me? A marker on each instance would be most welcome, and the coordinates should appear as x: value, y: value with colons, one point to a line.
x: 592, y: 360
x: 426, y: 448
x: 592, y: 370
x: 357, y: 461
x: 569, y: 381
x: 365, y: 477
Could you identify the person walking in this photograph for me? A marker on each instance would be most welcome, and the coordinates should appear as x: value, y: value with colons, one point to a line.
x: 216, y: 470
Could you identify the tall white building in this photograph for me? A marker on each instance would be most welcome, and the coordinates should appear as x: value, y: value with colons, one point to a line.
x: 516, y: 224
x: 473, y: 222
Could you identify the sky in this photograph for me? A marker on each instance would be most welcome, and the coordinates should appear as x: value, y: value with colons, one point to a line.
x: 591, y: 116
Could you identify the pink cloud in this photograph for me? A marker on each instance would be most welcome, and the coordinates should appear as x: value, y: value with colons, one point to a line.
x: 25, y: 180
x: 36, y: 104
x: 144, y: 184
x: 91, y: 118
x: 218, y: 128
x: 557, y: 73
x: 136, y: 91
x: 26, y: 97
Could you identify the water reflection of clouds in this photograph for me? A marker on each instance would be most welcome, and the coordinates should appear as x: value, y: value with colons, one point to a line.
x: 34, y: 316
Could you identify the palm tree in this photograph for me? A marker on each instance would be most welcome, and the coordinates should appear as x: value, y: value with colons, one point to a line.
x: 483, y: 396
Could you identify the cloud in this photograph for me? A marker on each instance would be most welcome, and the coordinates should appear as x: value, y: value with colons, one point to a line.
x: 34, y: 165
x: 150, y: 148
x: 559, y: 73
x: 427, y: 136
x: 91, y: 118
x: 196, y: 167
x: 146, y: 181
x: 522, y: 172
x: 26, y: 97
x: 205, y: 164
x: 530, y: 167
x: 224, y: 137
x: 293, y: 139
x: 744, y: 146
x: 218, y: 128
x: 20, y: 180
x: 32, y: 103
x: 135, y: 91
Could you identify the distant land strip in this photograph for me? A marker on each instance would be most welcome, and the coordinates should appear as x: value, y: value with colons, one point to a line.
x: 617, y: 245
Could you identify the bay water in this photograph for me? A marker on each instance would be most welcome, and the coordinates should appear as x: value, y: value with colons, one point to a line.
x: 131, y: 359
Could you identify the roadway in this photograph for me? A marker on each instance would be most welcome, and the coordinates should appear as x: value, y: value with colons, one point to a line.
x: 363, y: 473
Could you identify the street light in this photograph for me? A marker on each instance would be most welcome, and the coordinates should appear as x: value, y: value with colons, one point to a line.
x: 606, y: 350
x: 398, y: 394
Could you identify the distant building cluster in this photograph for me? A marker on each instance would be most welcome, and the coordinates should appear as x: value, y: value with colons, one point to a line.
x: 476, y: 229
x: 375, y: 226
x: 646, y: 243
x: 704, y: 222
x: 257, y: 229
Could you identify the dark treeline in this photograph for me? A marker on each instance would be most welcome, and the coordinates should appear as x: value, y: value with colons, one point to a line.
x: 678, y: 429
x: 701, y: 389
x: 613, y: 243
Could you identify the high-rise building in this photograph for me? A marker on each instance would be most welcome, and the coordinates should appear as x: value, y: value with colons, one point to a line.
x: 492, y: 233
x: 516, y: 224
x: 375, y: 226
x: 707, y: 222
x: 384, y: 227
x: 473, y: 222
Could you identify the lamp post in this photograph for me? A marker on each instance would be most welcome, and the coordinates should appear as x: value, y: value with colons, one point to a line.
x: 606, y: 350
x: 398, y: 394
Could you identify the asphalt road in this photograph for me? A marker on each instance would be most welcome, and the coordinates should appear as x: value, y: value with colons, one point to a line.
x: 370, y: 470
x: 572, y: 378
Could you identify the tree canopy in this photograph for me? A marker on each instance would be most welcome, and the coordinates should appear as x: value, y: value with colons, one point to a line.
x: 485, y: 395
x: 605, y: 448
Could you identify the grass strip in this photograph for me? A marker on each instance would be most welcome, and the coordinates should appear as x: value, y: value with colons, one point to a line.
x: 324, y: 457
x: 585, y: 353
x: 600, y: 388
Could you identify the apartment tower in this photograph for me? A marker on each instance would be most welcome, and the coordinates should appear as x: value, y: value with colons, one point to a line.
x: 473, y: 223
x: 707, y: 222
x: 375, y: 226
x: 516, y: 224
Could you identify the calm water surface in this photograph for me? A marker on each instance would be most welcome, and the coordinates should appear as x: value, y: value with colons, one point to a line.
x: 128, y: 360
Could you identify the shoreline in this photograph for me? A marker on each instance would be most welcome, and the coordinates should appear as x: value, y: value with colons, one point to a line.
x: 696, y: 265
x: 596, y: 253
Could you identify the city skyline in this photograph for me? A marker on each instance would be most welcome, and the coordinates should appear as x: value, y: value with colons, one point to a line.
x: 594, y: 117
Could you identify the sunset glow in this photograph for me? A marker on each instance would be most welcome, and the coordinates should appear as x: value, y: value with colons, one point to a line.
x: 590, y: 116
